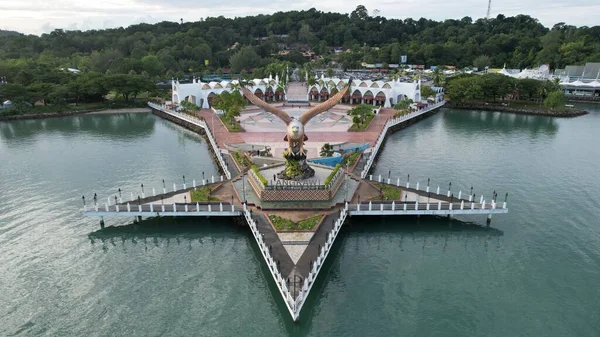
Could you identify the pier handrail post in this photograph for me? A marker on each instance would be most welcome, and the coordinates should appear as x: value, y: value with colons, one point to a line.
x: 232, y: 207
x: 417, y: 185
x: 393, y: 205
x: 194, y: 183
x: 213, y: 179
x: 174, y: 187
x: 370, y: 205
x: 174, y: 208
x: 439, y: 205
x: 438, y: 191
x: 209, y: 208
x: 398, y: 182
x: 198, y: 207
x: 358, y: 206
x: 459, y: 194
x: 462, y: 204
x: 481, y: 199
x: 153, y: 191
x: 483, y: 205
x: 220, y: 207
x: 106, y: 207
x: 151, y: 208
x: 128, y: 207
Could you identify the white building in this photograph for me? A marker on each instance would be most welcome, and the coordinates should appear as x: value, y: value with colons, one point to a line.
x: 377, y: 93
x: 381, y: 93
x: 202, y: 93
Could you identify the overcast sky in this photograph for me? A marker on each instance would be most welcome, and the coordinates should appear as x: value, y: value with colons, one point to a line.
x: 42, y: 16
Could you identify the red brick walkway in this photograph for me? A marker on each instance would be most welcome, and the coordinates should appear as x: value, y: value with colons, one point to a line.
x: 223, y: 136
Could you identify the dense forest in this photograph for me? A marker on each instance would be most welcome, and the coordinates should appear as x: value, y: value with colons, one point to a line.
x: 169, y: 49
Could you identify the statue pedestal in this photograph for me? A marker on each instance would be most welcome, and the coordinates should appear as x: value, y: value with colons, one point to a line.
x: 296, y: 168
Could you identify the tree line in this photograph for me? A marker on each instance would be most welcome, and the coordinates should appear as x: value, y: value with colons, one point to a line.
x: 490, y: 87
x: 170, y: 49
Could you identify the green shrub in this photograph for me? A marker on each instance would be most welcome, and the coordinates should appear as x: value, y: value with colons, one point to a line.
x: 332, y: 174
x: 262, y: 179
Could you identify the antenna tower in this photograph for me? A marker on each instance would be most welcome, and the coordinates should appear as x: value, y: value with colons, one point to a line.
x: 487, y: 16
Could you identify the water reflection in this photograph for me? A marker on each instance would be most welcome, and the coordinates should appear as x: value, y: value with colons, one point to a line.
x: 123, y: 126
x: 465, y: 122
x: 156, y: 232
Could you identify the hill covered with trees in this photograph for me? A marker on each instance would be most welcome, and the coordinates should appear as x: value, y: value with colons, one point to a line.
x: 169, y: 49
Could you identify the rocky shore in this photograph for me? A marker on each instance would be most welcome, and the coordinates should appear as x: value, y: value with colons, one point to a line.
x: 518, y: 110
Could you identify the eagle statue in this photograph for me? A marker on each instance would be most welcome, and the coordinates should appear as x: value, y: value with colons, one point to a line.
x: 296, y: 167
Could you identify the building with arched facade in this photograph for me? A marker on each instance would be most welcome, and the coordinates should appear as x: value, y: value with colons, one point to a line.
x: 377, y: 93
x: 202, y: 93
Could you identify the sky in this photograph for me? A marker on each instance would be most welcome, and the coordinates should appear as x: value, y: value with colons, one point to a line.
x: 43, y: 16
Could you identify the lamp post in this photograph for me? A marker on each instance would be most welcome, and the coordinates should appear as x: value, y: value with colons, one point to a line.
x: 120, y: 196
x: 142, y: 189
x: 183, y: 180
x: 83, y: 197
x: 95, y: 199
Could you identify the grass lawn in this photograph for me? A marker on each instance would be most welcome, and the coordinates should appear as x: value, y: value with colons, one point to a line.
x: 235, y: 127
x: 363, y: 126
x: 282, y: 224
x: 389, y: 192
x: 202, y: 194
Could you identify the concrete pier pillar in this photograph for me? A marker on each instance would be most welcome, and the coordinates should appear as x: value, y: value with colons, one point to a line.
x: 370, y: 206
x: 213, y: 179
x: 381, y: 207
x: 483, y: 205
x: 139, y: 208
x: 184, y: 186
x: 438, y: 191
x: 417, y: 185
x: 427, y: 207
x: 162, y: 208
x: 439, y: 205
x: 128, y: 207
x: 209, y: 208
x: 203, y: 182
x: 404, y: 207
x: 470, y: 197
x: 393, y: 205
x: 174, y: 207
x: 481, y: 199
x: 152, y: 208
x: 472, y: 205
x: 417, y: 205
x: 462, y: 204
x: 153, y: 191
x: 232, y: 208
x: 379, y: 180
x: 448, y: 195
x: 398, y: 182
x: 504, y: 205
x: 388, y: 181
x: 198, y: 207
x: 408, y: 184
x: 174, y: 187
x: 186, y: 207
x: 358, y: 207
x: 427, y: 190
x: 370, y: 177
x: 194, y: 183
x: 459, y: 194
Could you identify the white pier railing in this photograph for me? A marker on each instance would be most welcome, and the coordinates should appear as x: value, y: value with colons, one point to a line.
x: 390, y: 123
x: 309, y: 281
x: 198, y: 122
x: 272, y: 264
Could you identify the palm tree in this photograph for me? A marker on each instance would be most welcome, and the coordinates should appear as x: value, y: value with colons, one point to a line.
x: 438, y: 77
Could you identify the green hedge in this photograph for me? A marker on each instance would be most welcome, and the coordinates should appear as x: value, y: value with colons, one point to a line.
x: 262, y: 179
x: 332, y: 174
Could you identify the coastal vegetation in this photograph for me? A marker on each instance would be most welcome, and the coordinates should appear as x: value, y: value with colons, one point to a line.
x: 326, y: 150
x: 286, y: 224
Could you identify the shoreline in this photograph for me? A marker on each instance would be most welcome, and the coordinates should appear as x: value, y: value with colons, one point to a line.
x: 73, y: 113
x: 519, y: 111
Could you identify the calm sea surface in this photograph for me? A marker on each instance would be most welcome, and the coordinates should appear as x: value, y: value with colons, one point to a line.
x: 533, y: 272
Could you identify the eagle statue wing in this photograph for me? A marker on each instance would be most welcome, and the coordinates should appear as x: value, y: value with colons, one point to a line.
x: 275, y: 111
x: 328, y: 104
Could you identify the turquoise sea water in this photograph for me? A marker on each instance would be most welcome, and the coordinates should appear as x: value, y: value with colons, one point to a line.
x: 534, y: 272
